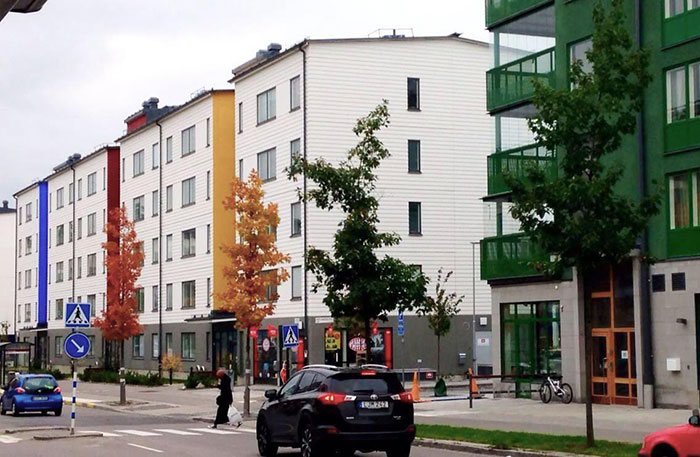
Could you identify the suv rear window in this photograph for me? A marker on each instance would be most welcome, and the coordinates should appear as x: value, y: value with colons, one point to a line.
x: 358, y: 384
x: 39, y: 384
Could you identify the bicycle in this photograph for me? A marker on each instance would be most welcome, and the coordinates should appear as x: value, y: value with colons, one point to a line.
x: 560, y: 389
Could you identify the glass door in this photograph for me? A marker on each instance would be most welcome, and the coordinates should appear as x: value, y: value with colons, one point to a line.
x: 602, y: 366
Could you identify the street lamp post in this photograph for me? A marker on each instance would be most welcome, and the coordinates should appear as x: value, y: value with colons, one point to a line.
x: 474, y: 243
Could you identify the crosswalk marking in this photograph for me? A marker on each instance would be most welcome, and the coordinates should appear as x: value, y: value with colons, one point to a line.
x: 138, y: 432
x: 107, y: 434
x: 246, y: 430
x: 176, y: 432
x: 214, y: 431
x: 9, y: 439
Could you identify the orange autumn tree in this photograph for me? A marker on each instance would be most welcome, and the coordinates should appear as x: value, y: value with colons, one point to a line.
x: 120, y: 321
x: 252, y: 272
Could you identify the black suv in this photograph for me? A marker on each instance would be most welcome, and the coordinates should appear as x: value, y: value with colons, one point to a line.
x: 325, y: 410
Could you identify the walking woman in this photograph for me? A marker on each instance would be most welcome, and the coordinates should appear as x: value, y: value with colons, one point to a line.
x: 224, y: 400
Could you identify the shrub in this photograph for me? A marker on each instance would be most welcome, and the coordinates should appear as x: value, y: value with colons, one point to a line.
x: 132, y: 378
x: 191, y: 381
x: 56, y: 373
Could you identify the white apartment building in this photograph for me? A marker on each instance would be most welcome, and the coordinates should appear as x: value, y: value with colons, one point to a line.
x: 306, y: 100
x: 7, y: 269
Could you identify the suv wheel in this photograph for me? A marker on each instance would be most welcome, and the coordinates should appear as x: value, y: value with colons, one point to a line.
x: 266, y: 447
x: 310, y: 447
x: 400, y: 450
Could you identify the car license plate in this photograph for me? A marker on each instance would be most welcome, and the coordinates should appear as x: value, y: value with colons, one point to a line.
x: 374, y: 404
x: 40, y: 398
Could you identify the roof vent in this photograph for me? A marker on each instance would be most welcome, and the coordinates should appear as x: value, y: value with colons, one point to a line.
x: 150, y: 104
x: 70, y: 161
x: 273, y: 49
x: 4, y: 204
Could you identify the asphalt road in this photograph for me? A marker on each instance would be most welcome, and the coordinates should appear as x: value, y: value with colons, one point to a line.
x: 138, y: 435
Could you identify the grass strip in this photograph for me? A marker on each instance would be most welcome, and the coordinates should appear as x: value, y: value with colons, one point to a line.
x: 530, y: 441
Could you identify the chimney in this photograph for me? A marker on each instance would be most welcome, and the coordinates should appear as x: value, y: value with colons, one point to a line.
x: 4, y: 204
x: 151, y: 104
x: 273, y: 49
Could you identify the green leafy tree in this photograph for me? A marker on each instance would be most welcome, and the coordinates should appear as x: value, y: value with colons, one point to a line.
x: 441, y: 309
x: 358, y: 283
x: 580, y: 217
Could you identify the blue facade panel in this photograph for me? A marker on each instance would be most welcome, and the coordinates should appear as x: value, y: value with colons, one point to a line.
x: 43, y: 267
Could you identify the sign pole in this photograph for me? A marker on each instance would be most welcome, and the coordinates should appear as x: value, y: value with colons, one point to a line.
x: 75, y: 388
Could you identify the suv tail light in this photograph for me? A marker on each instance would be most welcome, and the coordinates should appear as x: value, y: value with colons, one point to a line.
x: 404, y: 397
x: 57, y: 390
x: 335, y: 399
x: 19, y: 390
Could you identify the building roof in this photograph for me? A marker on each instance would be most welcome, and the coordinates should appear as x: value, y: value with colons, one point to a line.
x: 261, y: 60
x: 169, y: 111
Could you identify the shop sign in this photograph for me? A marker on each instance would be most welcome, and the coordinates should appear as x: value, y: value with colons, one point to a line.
x: 332, y: 341
x: 266, y: 344
x: 358, y: 344
x: 272, y: 331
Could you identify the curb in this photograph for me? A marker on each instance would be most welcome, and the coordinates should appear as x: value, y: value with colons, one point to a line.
x: 484, y: 449
x: 69, y: 437
x: 10, y: 431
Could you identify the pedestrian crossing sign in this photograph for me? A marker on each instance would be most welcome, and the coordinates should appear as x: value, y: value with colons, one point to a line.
x: 78, y: 315
x: 290, y: 335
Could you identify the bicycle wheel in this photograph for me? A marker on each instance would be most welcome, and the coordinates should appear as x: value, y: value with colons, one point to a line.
x: 568, y: 393
x: 545, y: 393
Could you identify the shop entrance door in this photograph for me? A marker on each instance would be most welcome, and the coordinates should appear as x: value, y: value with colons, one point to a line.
x: 614, y: 369
x: 224, y: 347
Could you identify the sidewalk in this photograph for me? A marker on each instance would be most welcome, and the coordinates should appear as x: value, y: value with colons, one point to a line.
x: 615, y: 423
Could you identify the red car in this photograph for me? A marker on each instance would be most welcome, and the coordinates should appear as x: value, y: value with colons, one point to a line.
x: 680, y: 441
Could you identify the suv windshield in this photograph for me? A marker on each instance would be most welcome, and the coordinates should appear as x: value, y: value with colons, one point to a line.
x: 39, y: 384
x: 358, y: 384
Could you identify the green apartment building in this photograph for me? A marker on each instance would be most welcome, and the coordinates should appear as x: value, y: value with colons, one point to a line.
x: 645, y: 318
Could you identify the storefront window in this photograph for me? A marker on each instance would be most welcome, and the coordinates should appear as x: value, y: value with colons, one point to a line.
x: 531, y: 338
x: 266, y: 365
x: 348, y: 348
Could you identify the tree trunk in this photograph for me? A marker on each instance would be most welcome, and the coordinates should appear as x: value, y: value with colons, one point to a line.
x: 246, y: 382
x: 588, y: 367
x: 438, y: 358
x: 368, y: 341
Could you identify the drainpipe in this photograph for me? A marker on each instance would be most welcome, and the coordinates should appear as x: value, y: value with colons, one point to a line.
x: 645, y: 308
x: 307, y: 346
x: 15, y: 278
x: 160, y: 249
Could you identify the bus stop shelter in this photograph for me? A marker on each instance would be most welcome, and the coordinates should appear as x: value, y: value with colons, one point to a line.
x: 14, y: 357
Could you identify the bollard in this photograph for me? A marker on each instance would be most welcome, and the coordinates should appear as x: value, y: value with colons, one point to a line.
x: 75, y: 388
x: 122, y: 386
x: 471, y: 396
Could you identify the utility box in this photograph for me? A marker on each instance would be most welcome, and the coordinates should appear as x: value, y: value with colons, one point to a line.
x: 673, y: 364
x: 461, y: 358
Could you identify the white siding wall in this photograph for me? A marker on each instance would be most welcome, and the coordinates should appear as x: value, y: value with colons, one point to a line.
x: 345, y: 81
x: 8, y: 281
x: 28, y: 261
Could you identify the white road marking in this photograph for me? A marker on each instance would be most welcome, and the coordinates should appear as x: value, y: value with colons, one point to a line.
x: 105, y: 434
x: 176, y: 432
x: 214, y: 431
x: 138, y: 432
x: 146, y: 448
x: 9, y: 439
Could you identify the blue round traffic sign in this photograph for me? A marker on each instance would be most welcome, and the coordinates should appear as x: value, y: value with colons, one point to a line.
x: 77, y: 345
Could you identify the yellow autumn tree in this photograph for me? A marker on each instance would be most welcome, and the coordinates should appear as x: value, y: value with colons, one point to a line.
x: 252, y: 272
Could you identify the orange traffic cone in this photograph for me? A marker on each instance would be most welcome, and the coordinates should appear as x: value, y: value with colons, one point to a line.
x: 415, y: 388
x: 473, y: 386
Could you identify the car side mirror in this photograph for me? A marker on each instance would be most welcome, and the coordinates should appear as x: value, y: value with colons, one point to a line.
x: 271, y: 394
x: 695, y: 418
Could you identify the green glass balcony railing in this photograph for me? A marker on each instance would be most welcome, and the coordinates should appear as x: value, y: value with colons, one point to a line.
x: 509, y: 256
x: 681, y: 27
x: 517, y: 161
x: 499, y: 10
x: 512, y: 83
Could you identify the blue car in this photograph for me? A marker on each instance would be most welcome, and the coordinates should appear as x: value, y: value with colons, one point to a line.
x: 32, y: 392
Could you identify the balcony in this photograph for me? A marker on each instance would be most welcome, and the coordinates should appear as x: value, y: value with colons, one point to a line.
x: 517, y: 161
x: 509, y: 256
x: 681, y: 27
x: 512, y: 84
x: 498, y: 11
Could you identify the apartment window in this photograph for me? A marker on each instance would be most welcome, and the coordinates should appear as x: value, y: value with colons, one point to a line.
x: 169, y: 198
x: 676, y: 7
x: 188, y: 141
x: 414, y: 156
x: 80, y: 227
x: 27, y: 279
x: 92, y: 301
x: 71, y: 193
x: 578, y: 52
x: 676, y: 95
x: 80, y: 267
x: 240, y: 117
x: 19, y: 280
x: 59, y: 198
x: 169, y: 343
x: 413, y: 93
x: 267, y: 164
x: 104, y: 261
x: 154, y: 298
x: 169, y: 149
x: 208, y: 131
x: 59, y: 309
x: 140, y: 299
x: 208, y: 292
x: 58, y: 345
x: 137, y: 341
x: 91, y: 224
x: 60, y: 235
x: 155, y: 346
x: 139, y: 212
x: 296, y: 218
x: 19, y: 248
x: 155, y: 203
x: 155, y: 250
x: 694, y: 87
x: 80, y: 189
x: 296, y: 282
x: 294, y: 93
x: 267, y: 105
x: 294, y: 150
x: 28, y: 213
x: 208, y: 185
x: 70, y: 269
x: 272, y: 229
x: 27, y: 312
x: 92, y: 184
x: 92, y: 264
x: 70, y: 232
x: 189, y: 242
x: 142, y: 250
x: 19, y: 314
x: 168, y: 247
x: 188, y: 192
x: 104, y: 178
x: 19, y: 218
x: 59, y: 271
x: 188, y: 346
x: 684, y: 198
x: 28, y: 245
x: 138, y: 165
x: 414, y: 218
x: 240, y: 169
x: 270, y: 289
x: 155, y: 156
x: 208, y: 238
x: 91, y: 351
x: 168, y: 297
x: 188, y: 294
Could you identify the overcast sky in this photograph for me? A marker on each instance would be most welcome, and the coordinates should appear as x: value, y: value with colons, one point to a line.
x: 71, y: 73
